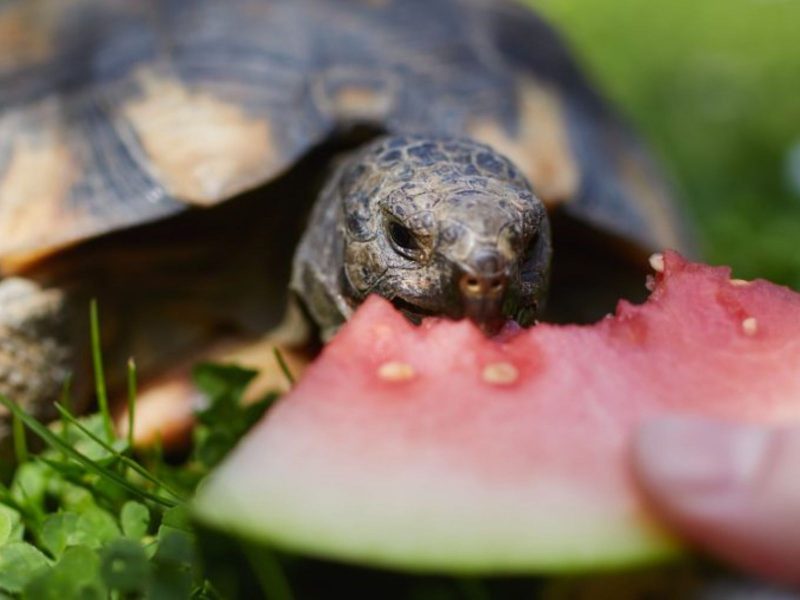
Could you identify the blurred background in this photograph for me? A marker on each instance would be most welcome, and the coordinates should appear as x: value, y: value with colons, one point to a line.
x: 714, y: 86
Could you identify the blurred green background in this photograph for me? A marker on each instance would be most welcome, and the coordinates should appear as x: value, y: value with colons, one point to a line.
x: 714, y: 86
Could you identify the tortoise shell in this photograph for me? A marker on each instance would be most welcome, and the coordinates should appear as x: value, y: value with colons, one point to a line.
x: 116, y: 113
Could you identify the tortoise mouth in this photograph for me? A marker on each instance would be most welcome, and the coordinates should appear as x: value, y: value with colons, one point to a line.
x: 413, y: 312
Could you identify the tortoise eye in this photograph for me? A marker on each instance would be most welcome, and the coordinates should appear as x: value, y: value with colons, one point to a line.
x: 402, y: 237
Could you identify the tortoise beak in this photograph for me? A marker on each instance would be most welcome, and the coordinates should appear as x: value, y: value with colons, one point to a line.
x: 483, y: 284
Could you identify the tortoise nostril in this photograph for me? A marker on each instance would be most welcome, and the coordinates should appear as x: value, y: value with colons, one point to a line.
x: 484, y: 275
x: 477, y: 286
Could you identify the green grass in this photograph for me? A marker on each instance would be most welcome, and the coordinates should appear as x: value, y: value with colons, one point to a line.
x: 713, y: 85
x: 87, y: 517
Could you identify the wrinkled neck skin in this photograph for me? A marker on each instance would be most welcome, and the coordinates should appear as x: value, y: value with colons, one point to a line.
x: 438, y: 226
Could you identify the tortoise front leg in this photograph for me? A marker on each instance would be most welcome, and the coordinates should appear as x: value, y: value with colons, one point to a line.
x: 165, y: 405
x: 36, y: 350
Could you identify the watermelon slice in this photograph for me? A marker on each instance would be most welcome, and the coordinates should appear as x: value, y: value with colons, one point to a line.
x: 433, y: 448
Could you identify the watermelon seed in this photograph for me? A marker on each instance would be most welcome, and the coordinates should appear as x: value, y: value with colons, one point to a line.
x: 396, y: 371
x: 500, y: 373
x: 750, y: 326
x: 657, y: 262
x: 740, y: 282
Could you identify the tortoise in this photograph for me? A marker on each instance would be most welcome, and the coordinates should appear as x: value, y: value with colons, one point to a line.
x: 168, y: 157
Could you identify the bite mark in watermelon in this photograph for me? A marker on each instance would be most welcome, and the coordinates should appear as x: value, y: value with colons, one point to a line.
x: 433, y: 448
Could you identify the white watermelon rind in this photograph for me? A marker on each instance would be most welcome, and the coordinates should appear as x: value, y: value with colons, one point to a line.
x: 328, y: 518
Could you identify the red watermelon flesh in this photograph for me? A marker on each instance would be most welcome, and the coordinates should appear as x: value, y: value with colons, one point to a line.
x: 434, y: 448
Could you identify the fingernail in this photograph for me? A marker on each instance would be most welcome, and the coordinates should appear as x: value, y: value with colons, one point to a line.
x: 694, y: 455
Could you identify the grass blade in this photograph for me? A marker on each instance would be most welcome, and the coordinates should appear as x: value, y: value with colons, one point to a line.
x: 99, y: 376
x: 125, y: 460
x: 20, y: 443
x: 283, y: 365
x: 131, y: 400
x: 268, y: 571
x: 66, y: 400
x: 58, y: 444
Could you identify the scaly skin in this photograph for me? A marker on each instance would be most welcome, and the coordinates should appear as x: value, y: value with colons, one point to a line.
x: 409, y: 218
x: 35, y: 351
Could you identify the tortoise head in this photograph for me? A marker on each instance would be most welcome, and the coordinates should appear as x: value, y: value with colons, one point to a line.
x: 439, y: 226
